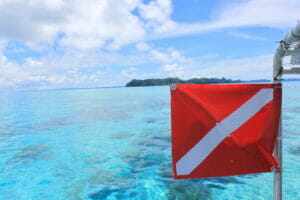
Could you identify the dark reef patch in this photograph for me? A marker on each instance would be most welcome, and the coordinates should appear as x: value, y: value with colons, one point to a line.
x: 216, y: 186
x: 121, y: 193
x: 225, y: 180
x: 188, y: 189
x: 50, y: 124
x: 31, y: 153
x: 103, y: 114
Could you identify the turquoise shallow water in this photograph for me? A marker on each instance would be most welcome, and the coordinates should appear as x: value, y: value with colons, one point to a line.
x: 114, y: 144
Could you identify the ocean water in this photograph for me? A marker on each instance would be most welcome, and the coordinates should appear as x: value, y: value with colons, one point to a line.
x: 114, y: 144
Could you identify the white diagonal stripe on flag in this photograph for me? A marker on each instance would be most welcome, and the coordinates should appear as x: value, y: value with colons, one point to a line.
x: 199, y: 152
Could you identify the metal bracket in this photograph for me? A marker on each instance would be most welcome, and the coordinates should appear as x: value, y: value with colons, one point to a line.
x: 278, y: 74
x: 173, y: 87
x: 293, y: 70
x: 275, y: 169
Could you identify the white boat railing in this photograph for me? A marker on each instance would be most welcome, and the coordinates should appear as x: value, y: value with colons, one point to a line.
x: 289, y: 46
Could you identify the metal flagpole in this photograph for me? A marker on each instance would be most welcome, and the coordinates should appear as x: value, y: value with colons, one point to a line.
x: 277, y: 74
x: 290, y: 46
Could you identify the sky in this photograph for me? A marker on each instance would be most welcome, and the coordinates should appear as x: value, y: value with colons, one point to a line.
x: 99, y: 43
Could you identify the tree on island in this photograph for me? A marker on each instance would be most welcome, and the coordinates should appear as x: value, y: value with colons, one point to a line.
x: 168, y: 81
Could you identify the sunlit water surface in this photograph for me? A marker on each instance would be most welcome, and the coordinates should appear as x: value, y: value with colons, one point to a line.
x: 114, y: 144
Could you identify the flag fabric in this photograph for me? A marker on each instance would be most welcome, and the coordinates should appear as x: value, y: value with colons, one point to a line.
x: 224, y: 130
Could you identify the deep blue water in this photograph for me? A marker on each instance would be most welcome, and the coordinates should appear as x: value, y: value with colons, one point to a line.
x: 114, y: 143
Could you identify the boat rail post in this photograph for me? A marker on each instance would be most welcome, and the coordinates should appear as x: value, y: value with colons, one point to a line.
x: 277, y: 78
x: 289, y: 46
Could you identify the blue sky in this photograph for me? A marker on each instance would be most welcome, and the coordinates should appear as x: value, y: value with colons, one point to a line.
x: 94, y: 43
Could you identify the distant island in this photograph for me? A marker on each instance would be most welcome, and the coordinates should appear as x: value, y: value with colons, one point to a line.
x: 168, y: 81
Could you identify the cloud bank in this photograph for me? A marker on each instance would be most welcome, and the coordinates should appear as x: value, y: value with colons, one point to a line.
x: 82, y: 41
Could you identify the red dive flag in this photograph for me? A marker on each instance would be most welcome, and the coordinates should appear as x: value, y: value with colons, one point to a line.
x: 224, y: 130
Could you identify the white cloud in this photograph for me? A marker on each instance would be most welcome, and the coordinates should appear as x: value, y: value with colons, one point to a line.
x: 30, y: 62
x: 88, y: 33
x: 174, y: 62
x: 129, y: 73
x: 258, y: 67
x: 246, y: 36
x: 253, y: 68
x: 82, y: 24
x: 160, y: 56
x: 270, y: 13
x: 89, y: 24
x: 169, y: 55
x: 107, y: 23
x: 173, y: 70
x: 112, y: 24
x: 142, y: 46
x: 67, y: 71
x: 171, y: 67
x: 157, y: 15
x: 74, y: 69
x: 2, y: 57
x: 252, y: 13
x: 30, y: 21
x: 88, y: 69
